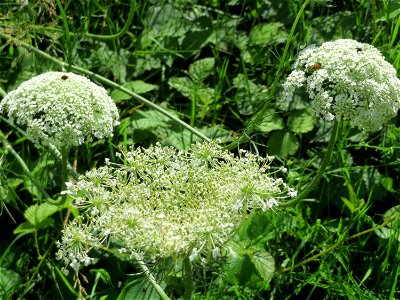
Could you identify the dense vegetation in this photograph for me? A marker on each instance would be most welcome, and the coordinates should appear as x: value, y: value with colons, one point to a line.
x: 218, y: 66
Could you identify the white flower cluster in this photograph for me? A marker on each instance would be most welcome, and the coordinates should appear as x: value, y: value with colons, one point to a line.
x: 63, y: 109
x: 347, y: 80
x: 162, y: 202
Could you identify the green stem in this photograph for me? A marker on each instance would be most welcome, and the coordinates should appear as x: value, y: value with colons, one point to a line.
x: 321, y: 170
x: 260, y: 114
x: 53, y: 150
x: 67, y: 33
x: 123, y: 30
x: 188, y: 278
x: 64, y: 171
x: 108, y: 82
x: 150, y: 277
x: 7, y: 146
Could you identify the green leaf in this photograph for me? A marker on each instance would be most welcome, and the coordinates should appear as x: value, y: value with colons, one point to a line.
x: 270, y: 122
x: 148, y: 119
x: 282, y: 143
x: 201, y: 69
x: 301, y: 121
x: 254, y: 226
x: 137, y: 86
x: 249, y: 95
x: 37, y: 214
x: 139, y: 289
x: 349, y: 204
x: 184, y: 85
x: 393, y: 227
x: 267, y: 34
x: 264, y: 264
x: 9, y: 280
x: 25, y: 227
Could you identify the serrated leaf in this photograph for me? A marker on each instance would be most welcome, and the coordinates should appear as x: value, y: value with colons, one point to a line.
x: 264, y: 264
x: 137, y: 86
x: 9, y: 280
x: 270, y: 122
x: 282, y: 143
x: 201, y: 69
x: 184, y: 85
x: 37, y: 214
x: 301, y: 121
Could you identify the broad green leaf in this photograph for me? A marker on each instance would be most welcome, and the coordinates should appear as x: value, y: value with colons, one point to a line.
x: 264, y: 264
x: 37, y: 214
x: 193, y: 91
x: 201, y: 69
x: 139, y: 289
x: 270, y: 122
x: 148, y: 119
x: 137, y: 86
x: 301, y: 121
x: 393, y: 226
x: 387, y: 183
x: 267, y: 34
x: 249, y: 95
x: 25, y: 227
x: 184, y: 85
x: 254, y: 226
x: 9, y: 280
x: 282, y: 143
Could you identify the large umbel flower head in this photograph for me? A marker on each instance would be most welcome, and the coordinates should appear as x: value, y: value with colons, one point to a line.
x: 63, y: 109
x: 347, y: 80
x: 163, y: 202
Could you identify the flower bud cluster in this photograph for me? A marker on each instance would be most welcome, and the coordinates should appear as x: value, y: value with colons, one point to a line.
x: 63, y: 109
x: 163, y: 202
x: 347, y: 80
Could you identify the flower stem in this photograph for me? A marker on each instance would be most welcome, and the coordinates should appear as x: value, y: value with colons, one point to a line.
x: 150, y: 277
x: 7, y: 146
x: 321, y: 170
x: 188, y: 278
x: 282, y: 62
x: 64, y: 171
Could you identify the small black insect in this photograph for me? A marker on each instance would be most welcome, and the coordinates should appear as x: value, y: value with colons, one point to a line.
x: 64, y: 77
x: 359, y: 49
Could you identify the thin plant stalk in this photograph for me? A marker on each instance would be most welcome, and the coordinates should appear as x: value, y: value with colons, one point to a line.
x: 64, y: 171
x: 66, y: 31
x: 150, y: 277
x: 321, y: 170
x: 260, y: 114
x: 7, y: 146
x: 188, y: 278
x: 128, y: 23
x: 109, y: 83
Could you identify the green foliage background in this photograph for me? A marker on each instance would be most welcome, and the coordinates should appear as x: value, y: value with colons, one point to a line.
x: 213, y: 64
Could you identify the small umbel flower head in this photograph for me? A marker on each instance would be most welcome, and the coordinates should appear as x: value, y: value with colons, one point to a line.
x: 63, y: 109
x: 163, y: 202
x: 347, y: 80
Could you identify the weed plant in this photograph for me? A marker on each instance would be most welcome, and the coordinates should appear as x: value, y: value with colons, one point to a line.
x: 182, y: 72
